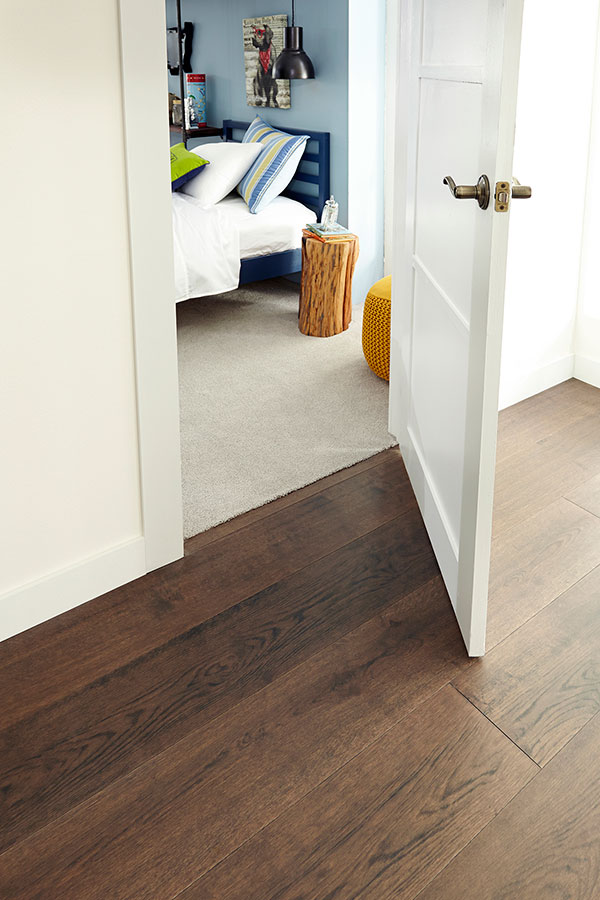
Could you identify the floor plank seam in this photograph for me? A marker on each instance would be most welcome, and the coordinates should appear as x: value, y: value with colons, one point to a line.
x: 259, y: 802
x: 264, y: 518
x: 572, y: 738
x: 506, y: 805
x: 496, y: 726
x: 167, y: 750
x: 316, y: 787
x: 491, y: 649
x: 89, y: 615
x: 178, y: 637
x: 284, y: 810
x: 475, y: 836
x: 579, y: 506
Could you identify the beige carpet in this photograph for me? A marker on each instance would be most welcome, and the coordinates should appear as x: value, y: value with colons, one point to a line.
x: 265, y: 409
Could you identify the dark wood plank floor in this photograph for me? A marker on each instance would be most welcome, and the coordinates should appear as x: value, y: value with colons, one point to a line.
x: 288, y: 712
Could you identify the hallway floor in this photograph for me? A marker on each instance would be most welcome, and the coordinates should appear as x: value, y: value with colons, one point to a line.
x: 288, y: 712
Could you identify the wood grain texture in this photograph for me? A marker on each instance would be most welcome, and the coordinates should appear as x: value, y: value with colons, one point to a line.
x: 587, y: 496
x: 354, y: 254
x: 387, y: 822
x: 529, y: 481
x: 272, y: 719
x: 544, y: 844
x: 194, y: 544
x: 61, y: 656
x: 55, y: 759
x: 542, y: 685
x: 153, y: 832
x: 537, y: 561
x: 521, y: 427
x: 326, y: 286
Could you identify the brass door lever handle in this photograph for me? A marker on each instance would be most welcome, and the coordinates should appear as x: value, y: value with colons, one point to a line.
x: 479, y: 191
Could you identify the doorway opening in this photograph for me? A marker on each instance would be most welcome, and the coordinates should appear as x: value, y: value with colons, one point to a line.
x: 267, y: 406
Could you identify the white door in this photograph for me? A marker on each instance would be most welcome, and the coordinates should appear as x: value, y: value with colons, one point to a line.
x: 457, y: 91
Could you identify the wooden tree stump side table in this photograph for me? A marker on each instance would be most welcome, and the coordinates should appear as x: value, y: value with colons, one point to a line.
x: 326, y: 285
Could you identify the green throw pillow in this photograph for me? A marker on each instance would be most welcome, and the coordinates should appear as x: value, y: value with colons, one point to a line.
x: 184, y: 165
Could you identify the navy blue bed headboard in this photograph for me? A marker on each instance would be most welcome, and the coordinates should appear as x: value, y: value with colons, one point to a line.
x: 310, y: 184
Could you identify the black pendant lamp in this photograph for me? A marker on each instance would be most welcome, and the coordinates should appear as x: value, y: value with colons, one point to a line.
x: 293, y: 62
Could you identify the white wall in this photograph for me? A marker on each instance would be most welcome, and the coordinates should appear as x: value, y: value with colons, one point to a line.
x: 551, y: 154
x: 71, y: 518
x: 587, y: 331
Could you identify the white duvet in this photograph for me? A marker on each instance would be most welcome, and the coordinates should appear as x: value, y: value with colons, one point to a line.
x: 206, y: 248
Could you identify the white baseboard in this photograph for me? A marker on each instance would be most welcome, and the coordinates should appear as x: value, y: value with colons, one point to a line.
x: 587, y: 370
x: 536, y: 381
x: 47, y: 597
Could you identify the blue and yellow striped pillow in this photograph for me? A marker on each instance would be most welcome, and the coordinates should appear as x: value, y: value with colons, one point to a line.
x: 274, y: 168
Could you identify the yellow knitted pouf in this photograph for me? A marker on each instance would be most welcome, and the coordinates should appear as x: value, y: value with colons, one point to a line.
x: 377, y: 316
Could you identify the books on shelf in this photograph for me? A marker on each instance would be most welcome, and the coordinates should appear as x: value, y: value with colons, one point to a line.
x: 195, y: 107
x: 333, y: 233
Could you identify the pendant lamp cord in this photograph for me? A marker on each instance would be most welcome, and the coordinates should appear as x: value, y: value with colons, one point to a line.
x: 293, y: 13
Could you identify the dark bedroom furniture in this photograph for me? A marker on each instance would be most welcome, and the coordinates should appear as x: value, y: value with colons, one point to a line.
x: 310, y: 186
x: 194, y: 134
x: 187, y: 133
x: 326, y: 285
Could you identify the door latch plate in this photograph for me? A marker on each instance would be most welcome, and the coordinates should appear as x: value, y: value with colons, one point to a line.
x: 502, y: 196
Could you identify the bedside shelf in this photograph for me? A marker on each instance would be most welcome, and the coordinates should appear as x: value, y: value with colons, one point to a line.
x: 194, y: 133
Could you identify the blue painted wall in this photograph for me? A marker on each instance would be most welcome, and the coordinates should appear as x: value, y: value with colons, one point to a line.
x: 321, y: 104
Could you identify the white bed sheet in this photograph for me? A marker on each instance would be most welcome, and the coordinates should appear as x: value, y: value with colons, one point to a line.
x: 206, y: 250
x: 209, y: 243
x: 274, y: 230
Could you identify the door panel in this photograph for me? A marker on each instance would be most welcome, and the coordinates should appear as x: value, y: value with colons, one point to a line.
x: 454, y: 33
x: 439, y: 380
x: 458, y: 73
x: 450, y: 124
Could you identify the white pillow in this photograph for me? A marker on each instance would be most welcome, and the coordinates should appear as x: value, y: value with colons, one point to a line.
x: 229, y: 162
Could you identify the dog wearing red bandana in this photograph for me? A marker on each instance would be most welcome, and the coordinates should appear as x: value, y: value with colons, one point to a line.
x: 265, y: 86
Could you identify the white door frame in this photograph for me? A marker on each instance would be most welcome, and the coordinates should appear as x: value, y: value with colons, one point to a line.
x: 145, y: 88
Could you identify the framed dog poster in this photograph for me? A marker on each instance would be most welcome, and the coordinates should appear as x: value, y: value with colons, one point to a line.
x: 263, y: 42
